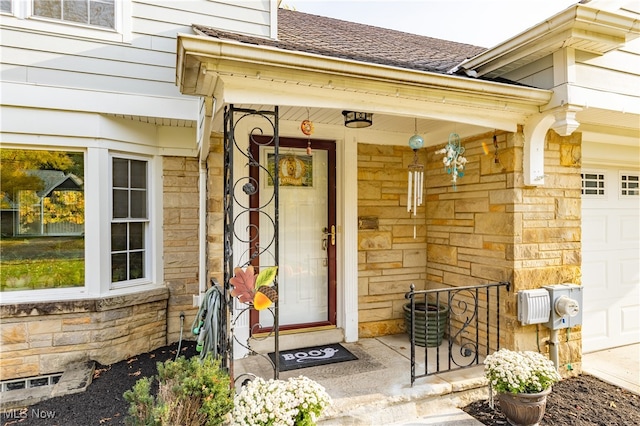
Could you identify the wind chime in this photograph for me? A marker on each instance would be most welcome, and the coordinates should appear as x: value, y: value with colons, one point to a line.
x: 415, y: 178
x: 453, y: 160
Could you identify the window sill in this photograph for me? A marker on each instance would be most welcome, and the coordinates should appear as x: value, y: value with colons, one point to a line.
x: 81, y: 305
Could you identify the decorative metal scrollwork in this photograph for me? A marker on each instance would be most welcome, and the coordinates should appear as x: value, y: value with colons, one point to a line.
x: 250, y: 223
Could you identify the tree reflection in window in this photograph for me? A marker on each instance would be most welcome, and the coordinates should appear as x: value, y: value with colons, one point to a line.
x: 43, y: 215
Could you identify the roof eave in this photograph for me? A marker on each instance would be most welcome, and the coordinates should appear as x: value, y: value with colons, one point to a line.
x: 201, y: 59
x: 579, y: 26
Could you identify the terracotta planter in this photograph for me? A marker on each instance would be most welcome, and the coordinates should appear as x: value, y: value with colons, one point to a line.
x: 428, y: 332
x: 524, y: 409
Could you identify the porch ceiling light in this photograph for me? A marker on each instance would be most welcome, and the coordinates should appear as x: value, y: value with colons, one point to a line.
x: 357, y: 120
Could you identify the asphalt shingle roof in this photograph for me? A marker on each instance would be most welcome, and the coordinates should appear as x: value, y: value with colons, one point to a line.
x: 331, y: 37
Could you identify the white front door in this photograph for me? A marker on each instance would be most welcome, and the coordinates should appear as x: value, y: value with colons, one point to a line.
x: 306, y: 277
x: 610, y: 258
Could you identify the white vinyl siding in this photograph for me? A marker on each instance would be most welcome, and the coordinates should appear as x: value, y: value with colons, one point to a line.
x: 138, y: 57
x: 536, y: 74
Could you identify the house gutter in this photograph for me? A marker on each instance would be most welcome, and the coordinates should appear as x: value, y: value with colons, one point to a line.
x: 202, y: 55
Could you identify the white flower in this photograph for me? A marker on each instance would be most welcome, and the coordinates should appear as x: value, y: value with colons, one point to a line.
x: 279, y: 403
x: 520, y: 372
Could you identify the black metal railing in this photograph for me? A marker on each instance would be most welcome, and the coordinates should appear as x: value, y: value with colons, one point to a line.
x: 456, y: 326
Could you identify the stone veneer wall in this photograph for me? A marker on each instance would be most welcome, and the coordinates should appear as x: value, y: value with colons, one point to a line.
x: 389, y: 258
x: 491, y: 228
x: 215, y: 209
x: 181, y: 241
x: 42, y: 338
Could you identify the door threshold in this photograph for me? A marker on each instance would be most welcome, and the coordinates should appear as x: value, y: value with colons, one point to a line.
x: 296, y: 339
x: 296, y: 331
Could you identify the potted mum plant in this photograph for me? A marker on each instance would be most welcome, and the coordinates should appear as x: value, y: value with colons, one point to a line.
x: 298, y: 401
x: 522, y: 380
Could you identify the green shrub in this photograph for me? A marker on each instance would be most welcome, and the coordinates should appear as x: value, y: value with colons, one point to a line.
x: 190, y: 392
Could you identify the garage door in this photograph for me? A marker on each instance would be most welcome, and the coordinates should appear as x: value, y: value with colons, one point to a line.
x: 610, y: 258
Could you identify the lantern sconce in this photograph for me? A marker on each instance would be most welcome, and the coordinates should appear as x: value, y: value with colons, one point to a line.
x: 357, y: 120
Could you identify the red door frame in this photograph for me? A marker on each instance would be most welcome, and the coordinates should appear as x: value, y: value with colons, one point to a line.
x: 330, y: 147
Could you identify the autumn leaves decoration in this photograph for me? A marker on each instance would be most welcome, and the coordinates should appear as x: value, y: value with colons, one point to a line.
x: 252, y: 289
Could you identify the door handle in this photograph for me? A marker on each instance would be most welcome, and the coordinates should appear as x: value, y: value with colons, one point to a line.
x: 331, y: 235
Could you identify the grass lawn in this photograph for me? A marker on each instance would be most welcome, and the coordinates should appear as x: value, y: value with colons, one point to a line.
x: 41, y: 262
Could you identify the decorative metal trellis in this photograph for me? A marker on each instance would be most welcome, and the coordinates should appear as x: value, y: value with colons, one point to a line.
x: 246, y: 218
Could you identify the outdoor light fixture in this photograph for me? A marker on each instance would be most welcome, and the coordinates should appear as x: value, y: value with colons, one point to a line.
x: 357, y: 120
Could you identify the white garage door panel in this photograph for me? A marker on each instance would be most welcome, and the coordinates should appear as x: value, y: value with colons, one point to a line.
x: 597, y: 323
x: 630, y: 272
x: 630, y: 320
x: 629, y: 230
x: 596, y: 272
x: 610, y: 266
x: 595, y: 226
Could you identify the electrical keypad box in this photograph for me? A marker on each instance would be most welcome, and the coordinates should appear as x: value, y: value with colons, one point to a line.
x: 566, y: 306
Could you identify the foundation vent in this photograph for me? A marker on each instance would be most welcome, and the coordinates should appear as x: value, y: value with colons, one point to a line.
x: 31, y: 382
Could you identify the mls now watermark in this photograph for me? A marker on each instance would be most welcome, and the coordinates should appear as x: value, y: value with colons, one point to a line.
x: 25, y: 413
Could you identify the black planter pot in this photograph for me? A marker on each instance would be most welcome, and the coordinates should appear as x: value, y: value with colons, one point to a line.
x: 430, y: 331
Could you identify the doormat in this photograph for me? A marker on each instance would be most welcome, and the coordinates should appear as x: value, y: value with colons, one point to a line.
x: 312, y: 356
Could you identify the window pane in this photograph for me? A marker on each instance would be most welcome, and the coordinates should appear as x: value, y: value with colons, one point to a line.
x: 118, y: 267
x: 120, y: 173
x: 5, y: 6
x: 136, y: 265
x: 75, y: 11
x: 42, y: 211
x: 130, y: 200
x: 102, y: 13
x: 99, y: 13
x: 139, y: 174
x: 136, y: 236
x: 118, y: 236
x: 139, y: 204
x: 120, y: 203
x: 48, y: 8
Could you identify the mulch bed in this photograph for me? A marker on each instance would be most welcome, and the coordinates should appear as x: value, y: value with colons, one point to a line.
x: 103, y: 402
x: 583, y: 400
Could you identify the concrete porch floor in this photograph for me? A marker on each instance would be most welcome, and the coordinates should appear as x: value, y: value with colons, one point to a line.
x: 376, y: 388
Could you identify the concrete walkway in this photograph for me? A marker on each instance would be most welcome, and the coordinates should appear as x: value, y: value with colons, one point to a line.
x: 618, y: 366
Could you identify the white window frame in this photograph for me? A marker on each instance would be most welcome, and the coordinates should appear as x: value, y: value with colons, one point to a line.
x: 605, y: 179
x: 23, y: 11
x: 147, y: 227
x: 620, y: 189
x: 97, y: 161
